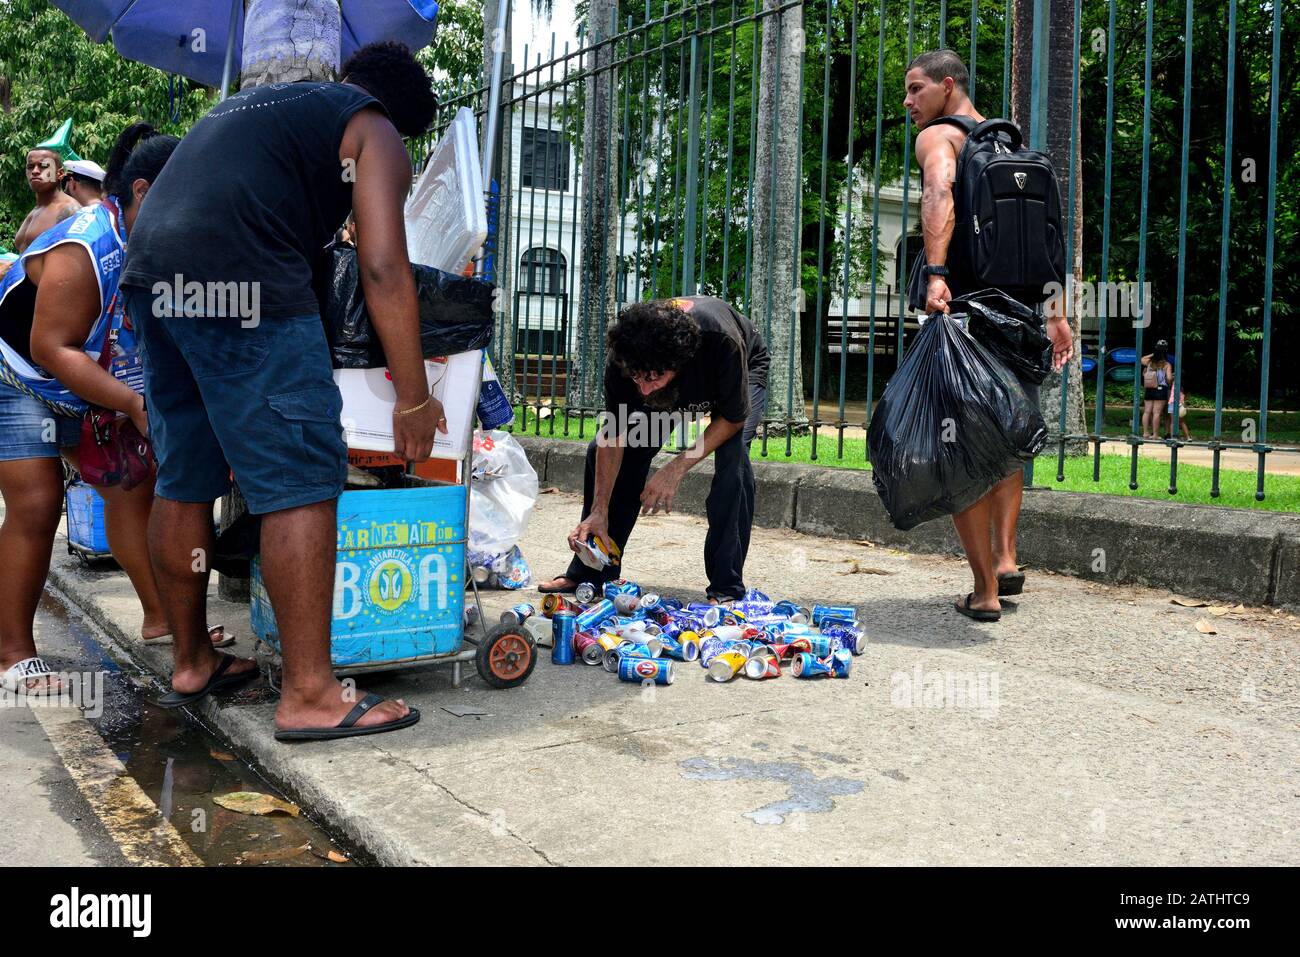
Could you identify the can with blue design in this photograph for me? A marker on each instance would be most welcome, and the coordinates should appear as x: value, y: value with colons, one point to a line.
x: 621, y: 586
x: 819, y: 645
x: 787, y: 629
x: 810, y: 666
x: 649, y: 601
x: 516, y: 615
x: 841, y: 662
x: 641, y: 670
x: 710, y: 647
x: 790, y: 610
x: 847, y: 612
x: 849, y: 639
x: 493, y: 407
x: 670, y: 604
x: 564, y: 625
x: 753, y: 594
x: 684, y: 648
x: 597, y: 613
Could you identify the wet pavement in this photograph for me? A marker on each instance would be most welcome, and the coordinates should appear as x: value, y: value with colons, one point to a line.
x: 180, y: 766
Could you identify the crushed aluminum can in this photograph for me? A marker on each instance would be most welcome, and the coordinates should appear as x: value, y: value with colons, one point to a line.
x: 649, y: 601
x: 841, y: 662
x: 516, y: 615
x: 851, y: 641
x: 585, y: 593
x: 595, y: 615
x: 832, y: 611
x: 625, y: 604
x: 727, y: 665
x: 684, y: 648
x: 588, y: 648
x: 621, y: 586
x: 753, y: 594
x: 553, y: 603
x: 763, y: 665
x: 809, y: 666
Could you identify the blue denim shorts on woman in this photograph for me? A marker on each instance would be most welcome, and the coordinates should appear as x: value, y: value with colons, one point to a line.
x: 29, y: 429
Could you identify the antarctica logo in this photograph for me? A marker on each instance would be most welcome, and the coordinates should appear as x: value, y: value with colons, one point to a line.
x: 390, y: 580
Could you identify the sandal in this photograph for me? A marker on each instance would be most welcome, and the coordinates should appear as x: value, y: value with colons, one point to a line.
x: 219, y: 681
x: 215, y: 632
x: 1011, y: 583
x: 977, y: 614
x: 16, y: 678
x: 347, y: 727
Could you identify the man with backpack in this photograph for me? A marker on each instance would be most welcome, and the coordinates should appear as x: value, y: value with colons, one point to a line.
x: 990, y: 217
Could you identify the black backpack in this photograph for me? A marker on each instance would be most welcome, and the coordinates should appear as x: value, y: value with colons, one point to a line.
x: 1008, y: 231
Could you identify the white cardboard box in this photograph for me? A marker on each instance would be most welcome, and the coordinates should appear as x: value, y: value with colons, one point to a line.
x: 369, y: 397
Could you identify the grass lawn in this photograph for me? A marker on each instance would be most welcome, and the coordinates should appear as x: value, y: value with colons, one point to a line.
x: 1236, y: 488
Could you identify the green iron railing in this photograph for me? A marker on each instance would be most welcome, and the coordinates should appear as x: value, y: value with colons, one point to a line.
x: 676, y: 188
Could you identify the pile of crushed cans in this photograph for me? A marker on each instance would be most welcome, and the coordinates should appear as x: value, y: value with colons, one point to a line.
x: 640, y: 636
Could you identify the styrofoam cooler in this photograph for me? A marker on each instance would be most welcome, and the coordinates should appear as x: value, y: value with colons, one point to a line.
x: 87, y: 532
x: 399, y: 587
x: 446, y: 217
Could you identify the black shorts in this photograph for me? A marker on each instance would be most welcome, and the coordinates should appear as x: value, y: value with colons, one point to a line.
x: 1158, y: 394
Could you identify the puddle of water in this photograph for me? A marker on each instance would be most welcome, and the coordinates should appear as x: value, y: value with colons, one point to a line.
x: 182, y: 767
x: 809, y: 794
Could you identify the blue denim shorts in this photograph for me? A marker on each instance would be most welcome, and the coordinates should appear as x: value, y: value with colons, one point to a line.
x: 256, y: 400
x: 30, y: 429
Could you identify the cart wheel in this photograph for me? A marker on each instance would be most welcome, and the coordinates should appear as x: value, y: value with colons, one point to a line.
x: 505, y: 657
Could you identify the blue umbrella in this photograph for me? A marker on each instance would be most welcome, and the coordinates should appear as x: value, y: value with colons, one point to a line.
x: 192, y: 37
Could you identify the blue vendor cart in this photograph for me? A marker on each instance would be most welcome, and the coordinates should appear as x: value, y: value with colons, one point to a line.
x: 400, y: 586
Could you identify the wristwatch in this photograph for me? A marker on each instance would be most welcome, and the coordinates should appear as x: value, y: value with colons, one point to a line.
x: 929, y: 271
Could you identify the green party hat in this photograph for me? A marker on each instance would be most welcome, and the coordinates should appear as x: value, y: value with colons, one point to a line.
x: 59, y: 142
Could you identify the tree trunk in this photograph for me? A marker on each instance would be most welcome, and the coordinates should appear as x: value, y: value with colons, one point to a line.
x: 599, y: 257
x: 775, y: 291
x: 290, y: 40
x: 284, y: 41
x: 1060, y: 55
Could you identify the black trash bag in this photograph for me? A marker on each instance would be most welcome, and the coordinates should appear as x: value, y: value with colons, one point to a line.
x: 953, y: 422
x: 1009, y: 329
x: 455, y: 312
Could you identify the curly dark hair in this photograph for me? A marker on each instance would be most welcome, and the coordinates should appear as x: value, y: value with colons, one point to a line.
x: 388, y: 71
x: 652, y: 337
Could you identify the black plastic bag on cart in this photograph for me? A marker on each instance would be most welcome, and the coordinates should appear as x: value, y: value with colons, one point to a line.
x: 953, y: 422
x: 1010, y: 330
x: 455, y: 311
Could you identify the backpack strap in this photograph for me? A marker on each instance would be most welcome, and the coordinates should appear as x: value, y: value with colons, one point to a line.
x: 991, y: 127
x: 967, y: 124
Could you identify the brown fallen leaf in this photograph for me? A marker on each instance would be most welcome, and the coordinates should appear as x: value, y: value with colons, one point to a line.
x: 337, y: 857
x: 1205, y: 627
x: 864, y: 543
x: 254, y: 802
x: 548, y: 491
x: 1218, y: 611
x: 221, y: 755
x: 1188, y: 602
x: 262, y: 857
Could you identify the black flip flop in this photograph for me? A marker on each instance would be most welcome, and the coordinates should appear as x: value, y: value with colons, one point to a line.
x: 1011, y: 583
x: 559, y: 591
x: 347, y: 727
x: 978, y: 614
x: 219, y: 681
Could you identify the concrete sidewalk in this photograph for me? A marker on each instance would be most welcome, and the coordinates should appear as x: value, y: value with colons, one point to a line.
x: 1096, y: 725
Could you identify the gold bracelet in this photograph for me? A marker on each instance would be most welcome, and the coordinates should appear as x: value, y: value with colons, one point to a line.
x: 413, y: 409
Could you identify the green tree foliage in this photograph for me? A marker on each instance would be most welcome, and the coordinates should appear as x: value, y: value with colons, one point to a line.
x: 50, y: 70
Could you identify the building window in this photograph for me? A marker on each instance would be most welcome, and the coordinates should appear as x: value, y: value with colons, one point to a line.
x: 544, y: 159
x: 542, y: 272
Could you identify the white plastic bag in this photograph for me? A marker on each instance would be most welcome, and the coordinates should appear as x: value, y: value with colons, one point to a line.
x: 503, y: 491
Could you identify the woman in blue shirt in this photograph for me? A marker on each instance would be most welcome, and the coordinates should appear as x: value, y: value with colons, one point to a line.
x: 59, y: 309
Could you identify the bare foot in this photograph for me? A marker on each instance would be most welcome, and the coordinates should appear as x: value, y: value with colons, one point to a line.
x: 560, y: 583
x: 331, y: 707
x: 188, y: 680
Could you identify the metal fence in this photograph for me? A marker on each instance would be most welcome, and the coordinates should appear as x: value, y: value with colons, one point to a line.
x: 757, y: 150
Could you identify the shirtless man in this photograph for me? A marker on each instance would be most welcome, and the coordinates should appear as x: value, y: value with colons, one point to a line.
x: 44, y: 172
